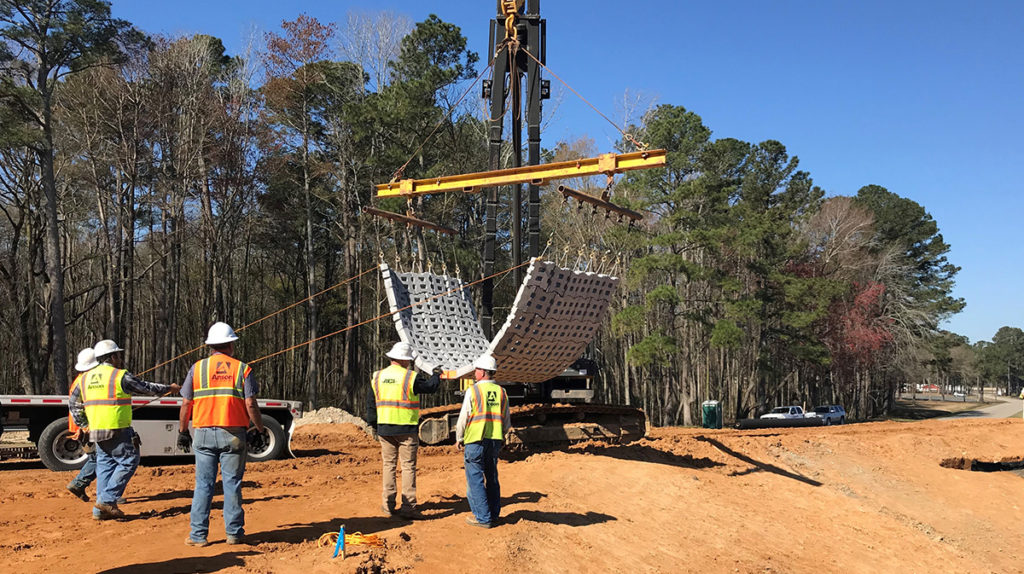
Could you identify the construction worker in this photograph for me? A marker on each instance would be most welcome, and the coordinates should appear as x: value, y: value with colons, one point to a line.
x: 103, y: 402
x: 86, y: 362
x: 220, y: 399
x: 394, y: 413
x: 484, y: 421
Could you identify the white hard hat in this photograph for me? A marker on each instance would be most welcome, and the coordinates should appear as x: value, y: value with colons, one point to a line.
x: 86, y: 360
x: 400, y: 351
x: 105, y: 348
x: 486, y: 362
x: 220, y: 334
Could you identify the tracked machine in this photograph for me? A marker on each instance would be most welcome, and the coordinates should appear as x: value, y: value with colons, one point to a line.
x: 557, y: 310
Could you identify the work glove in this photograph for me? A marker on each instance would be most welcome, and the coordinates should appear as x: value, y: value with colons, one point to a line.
x: 257, y: 440
x: 83, y: 439
x: 437, y: 370
x: 184, y: 441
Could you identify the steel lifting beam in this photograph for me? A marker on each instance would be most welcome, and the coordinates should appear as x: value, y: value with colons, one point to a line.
x: 604, y: 164
x: 599, y: 203
x: 408, y: 220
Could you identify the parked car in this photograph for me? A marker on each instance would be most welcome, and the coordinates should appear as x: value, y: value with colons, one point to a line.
x: 790, y: 412
x: 830, y: 414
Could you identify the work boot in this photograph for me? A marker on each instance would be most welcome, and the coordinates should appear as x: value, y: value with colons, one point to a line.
x: 108, y: 511
x: 387, y: 511
x: 196, y: 543
x: 471, y: 520
x: 78, y: 491
x: 235, y: 539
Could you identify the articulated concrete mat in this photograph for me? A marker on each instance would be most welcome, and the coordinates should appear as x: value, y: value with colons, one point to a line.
x: 443, y: 331
x: 556, y: 313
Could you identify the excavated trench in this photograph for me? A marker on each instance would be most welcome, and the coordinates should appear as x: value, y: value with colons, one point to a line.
x: 1003, y: 464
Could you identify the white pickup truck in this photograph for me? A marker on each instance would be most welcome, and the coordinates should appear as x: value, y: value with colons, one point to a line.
x: 45, y: 417
x: 790, y: 412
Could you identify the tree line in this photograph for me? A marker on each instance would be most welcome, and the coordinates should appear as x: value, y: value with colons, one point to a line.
x: 152, y: 185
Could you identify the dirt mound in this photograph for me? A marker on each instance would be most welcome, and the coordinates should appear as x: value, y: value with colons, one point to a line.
x: 330, y: 415
x: 869, y: 497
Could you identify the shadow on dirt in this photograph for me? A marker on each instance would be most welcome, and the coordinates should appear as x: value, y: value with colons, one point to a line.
x: 637, y: 452
x: 186, y: 508
x: 298, y: 533
x: 446, y: 506
x: 563, y: 518
x: 757, y: 465
x: 313, y: 452
x: 218, y: 489
x: 190, y: 564
x: 13, y: 464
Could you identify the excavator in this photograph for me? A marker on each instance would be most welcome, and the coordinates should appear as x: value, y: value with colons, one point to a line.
x: 557, y: 311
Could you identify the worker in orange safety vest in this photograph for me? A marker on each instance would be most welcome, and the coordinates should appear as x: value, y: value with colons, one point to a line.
x: 219, y: 395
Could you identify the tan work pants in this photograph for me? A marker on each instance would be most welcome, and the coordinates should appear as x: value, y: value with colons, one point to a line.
x: 393, y: 448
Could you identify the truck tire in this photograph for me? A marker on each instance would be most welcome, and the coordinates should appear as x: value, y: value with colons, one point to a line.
x: 276, y: 444
x: 58, y: 450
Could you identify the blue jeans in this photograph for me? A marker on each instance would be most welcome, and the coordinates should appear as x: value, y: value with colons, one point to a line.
x: 87, y: 474
x: 482, y: 488
x: 213, y: 445
x: 116, y: 461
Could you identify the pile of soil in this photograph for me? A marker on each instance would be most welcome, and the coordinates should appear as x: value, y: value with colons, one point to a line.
x: 330, y: 415
x: 861, y: 498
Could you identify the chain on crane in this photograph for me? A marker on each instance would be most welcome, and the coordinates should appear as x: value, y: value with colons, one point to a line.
x: 510, y: 9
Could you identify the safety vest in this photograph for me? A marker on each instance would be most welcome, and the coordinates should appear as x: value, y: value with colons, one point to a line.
x: 72, y: 427
x: 397, y: 404
x: 107, y: 406
x: 487, y: 404
x: 218, y: 392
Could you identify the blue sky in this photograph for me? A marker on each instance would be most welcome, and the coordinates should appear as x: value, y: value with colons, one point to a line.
x: 923, y: 98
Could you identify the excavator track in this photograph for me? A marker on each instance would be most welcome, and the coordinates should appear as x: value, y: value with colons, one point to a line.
x: 546, y: 423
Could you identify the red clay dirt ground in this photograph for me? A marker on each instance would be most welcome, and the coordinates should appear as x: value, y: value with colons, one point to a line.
x: 858, y: 498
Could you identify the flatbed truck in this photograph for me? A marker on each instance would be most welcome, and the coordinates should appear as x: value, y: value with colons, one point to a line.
x: 45, y: 417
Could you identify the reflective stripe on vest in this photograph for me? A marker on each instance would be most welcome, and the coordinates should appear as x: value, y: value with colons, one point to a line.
x: 72, y: 427
x: 107, y: 406
x: 218, y: 392
x: 487, y: 403
x: 397, y: 403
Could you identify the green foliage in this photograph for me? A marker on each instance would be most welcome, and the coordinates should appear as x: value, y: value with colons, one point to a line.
x: 662, y: 295
x: 632, y: 319
x: 904, y: 224
x: 726, y: 334
x: 654, y: 349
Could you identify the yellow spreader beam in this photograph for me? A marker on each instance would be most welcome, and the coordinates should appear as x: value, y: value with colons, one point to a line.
x: 604, y: 164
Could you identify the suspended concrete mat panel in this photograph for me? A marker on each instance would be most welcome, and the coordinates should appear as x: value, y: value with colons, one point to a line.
x: 556, y: 313
x: 443, y: 331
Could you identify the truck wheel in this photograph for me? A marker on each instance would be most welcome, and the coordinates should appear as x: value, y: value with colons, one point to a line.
x: 276, y: 444
x: 58, y: 450
x: 828, y: 421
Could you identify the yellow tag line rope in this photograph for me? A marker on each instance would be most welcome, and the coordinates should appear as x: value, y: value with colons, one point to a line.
x: 331, y: 538
x: 243, y: 327
x: 389, y: 313
x: 260, y: 320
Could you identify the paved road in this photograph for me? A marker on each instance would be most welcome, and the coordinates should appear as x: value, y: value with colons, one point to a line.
x: 1004, y: 408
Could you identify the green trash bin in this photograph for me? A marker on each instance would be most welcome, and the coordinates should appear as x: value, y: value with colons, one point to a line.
x: 711, y: 414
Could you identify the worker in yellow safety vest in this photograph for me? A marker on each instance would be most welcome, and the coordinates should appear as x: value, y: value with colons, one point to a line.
x: 219, y: 395
x: 484, y: 422
x: 86, y: 362
x: 103, y: 402
x: 394, y: 414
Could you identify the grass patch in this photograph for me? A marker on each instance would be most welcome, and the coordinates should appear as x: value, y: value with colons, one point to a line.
x: 910, y: 410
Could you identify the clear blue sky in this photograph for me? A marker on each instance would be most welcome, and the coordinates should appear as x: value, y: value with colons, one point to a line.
x: 921, y: 97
